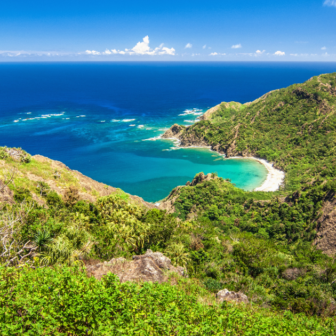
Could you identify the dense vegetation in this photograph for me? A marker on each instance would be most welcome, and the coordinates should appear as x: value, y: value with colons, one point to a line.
x: 283, y: 219
x: 292, y: 127
x: 234, y: 241
x: 258, y: 243
x: 264, y: 247
x: 64, y: 301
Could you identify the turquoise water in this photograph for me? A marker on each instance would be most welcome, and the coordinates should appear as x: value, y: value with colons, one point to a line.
x: 152, y: 177
x: 87, y: 115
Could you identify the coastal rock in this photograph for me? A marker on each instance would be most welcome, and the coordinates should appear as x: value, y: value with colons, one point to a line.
x: 226, y: 295
x: 200, y: 178
x: 150, y: 267
x: 174, y: 132
x: 189, y: 138
x: 186, y: 138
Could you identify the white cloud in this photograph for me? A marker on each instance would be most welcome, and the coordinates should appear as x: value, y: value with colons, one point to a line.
x: 247, y: 54
x: 188, y: 45
x: 168, y: 51
x: 195, y: 55
x: 324, y: 48
x: 25, y: 53
x: 236, y: 46
x: 279, y: 53
x: 258, y: 52
x: 204, y: 46
x: 141, y: 48
x: 330, y: 3
x: 216, y: 54
x: 92, y: 52
x: 302, y: 55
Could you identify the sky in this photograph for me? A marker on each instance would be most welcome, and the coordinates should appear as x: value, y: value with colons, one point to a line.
x: 174, y: 30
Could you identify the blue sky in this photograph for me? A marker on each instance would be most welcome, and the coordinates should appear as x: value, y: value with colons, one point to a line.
x: 127, y: 30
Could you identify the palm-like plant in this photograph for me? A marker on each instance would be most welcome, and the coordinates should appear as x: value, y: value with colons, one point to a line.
x: 42, y: 237
x: 178, y: 254
x: 122, y: 220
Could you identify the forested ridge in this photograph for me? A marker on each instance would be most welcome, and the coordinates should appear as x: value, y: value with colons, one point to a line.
x: 278, y: 248
x: 292, y: 127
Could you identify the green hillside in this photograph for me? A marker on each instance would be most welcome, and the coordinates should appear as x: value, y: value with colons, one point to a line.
x: 278, y: 248
x: 292, y: 127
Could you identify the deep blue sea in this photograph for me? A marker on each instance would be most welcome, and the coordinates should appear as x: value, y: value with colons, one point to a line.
x: 97, y: 117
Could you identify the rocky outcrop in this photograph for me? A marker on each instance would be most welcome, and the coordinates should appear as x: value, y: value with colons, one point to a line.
x: 190, y: 139
x: 174, y: 132
x: 226, y: 295
x: 150, y: 267
x: 326, y: 227
x: 17, y: 154
x: 200, y: 178
x: 292, y: 273
x: 168, y: 203
x: 186, y: 139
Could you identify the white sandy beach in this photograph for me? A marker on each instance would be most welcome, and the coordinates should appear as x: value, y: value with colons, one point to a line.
x: 274, y: 179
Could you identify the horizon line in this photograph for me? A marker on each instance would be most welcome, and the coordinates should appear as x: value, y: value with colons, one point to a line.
x: 166, y: 61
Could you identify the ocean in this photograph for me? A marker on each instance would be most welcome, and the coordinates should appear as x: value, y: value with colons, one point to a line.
x: 101, y: 118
